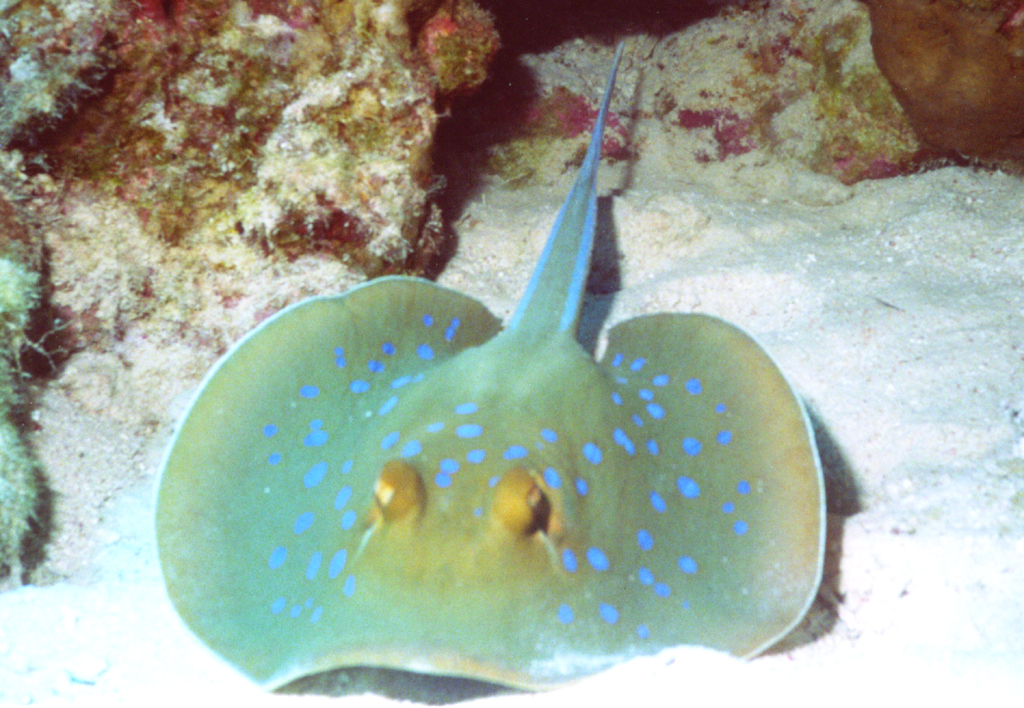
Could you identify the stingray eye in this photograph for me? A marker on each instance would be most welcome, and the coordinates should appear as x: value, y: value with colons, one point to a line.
x: 520, y: 505
x: 399, y: 491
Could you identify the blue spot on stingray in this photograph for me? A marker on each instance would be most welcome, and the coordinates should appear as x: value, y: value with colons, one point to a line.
x: 388, y: 348
x: 388, y: 406
x: 339, y: 357
x: 549, y: 435
x: 317, y: 614
x: 493, y: 481
x: 350, y: 586
x: 565, y: 615
x: 646, y: 394
x: 315, y: 475
x: 592, y: 453
x: 411, y: 448
x: 428, y: 320
x: 274, y: 458
x: 662, y: 590
x: 449, y: 465
x: 740, y: 527
x: 621, y: 380
x: 359, y: 386
x: 660, y: 380
x: 465, y: 408
x: 728, y: 508
x: 581, y: 486
x: 270, y: 430
x: 476, y: 456
x: 344, y: 494
x: 277, y: 557
x: 720, y: 408
x: 443, y: 480
x: 314, y: 565
x: 278, y: 606
x: 389, y: 440
x: 645, y: 576
x: 685, y: 604
x: 337, y: 564
x: 642, y: 631
x: 658, y: 503
x: 688, y: 487
x: 401, y: 381
x: 569, y: 560
x: 644, y: 540
x: 347, y: 467
x: 478, y: 511
x: 687, y: 565
x: 724, y: 437
x: 608, y: 613
x: 616, y: 398
x: 316, y: 437
x: 515, y: 452
x: 296, y: 610
x: 655, y: 411
x: 652, y: 447
x: 348, y: 519
x: 424, y: 352
x: 375, y: 366
x: 743, y: 487
x: 453, y: 326
x: 622, y: 439
x: 691, y: 446
x: 304, y: 521
x: 637, y: 364
x: 551, y: 478
x: 693, y: 387
x: 638, y: 421
x: 617, y: 360
x: 469, y: 430
x: 309, y: 391
x: 435, y: 427
x: 597, y: 559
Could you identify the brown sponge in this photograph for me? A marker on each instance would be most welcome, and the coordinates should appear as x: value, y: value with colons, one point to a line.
x: 957, y: 68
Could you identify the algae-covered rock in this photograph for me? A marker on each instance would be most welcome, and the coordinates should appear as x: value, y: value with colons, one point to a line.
x: 288, y: 124
x: 18, y: 471
x: 794, y: 81
x: 53, y: 54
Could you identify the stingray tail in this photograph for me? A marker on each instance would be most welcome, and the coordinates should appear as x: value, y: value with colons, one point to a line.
x: 555, y: 293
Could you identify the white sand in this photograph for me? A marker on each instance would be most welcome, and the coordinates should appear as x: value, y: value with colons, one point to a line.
x: 896, y: 308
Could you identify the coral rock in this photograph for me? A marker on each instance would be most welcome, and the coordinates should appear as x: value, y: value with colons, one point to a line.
x: 459, y: 45
x: 298, y: 125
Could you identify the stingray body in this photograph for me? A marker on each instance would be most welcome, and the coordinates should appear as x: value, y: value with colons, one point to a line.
x: 389, y: 478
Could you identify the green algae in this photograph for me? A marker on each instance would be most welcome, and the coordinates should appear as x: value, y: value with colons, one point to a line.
x: 19, y: 472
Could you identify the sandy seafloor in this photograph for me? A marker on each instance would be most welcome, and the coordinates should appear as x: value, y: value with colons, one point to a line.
x: 895, y: 307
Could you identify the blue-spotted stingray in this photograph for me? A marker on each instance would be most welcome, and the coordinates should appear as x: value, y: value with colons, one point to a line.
x: 390, y: 478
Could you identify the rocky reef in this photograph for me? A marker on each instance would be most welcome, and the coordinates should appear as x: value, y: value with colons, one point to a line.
x: 291, y: 124
x: 792, y: 79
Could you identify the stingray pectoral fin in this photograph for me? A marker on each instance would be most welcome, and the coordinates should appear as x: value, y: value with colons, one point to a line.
x: 747, y: 514
x: 261, y: 487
